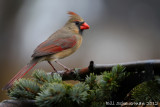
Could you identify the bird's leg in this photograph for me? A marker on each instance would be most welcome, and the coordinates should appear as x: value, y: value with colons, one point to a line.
x: 52, y: 67
x: 66, y: 68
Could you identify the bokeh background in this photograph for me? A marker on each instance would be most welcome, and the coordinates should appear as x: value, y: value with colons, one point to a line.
x: 121, y: 31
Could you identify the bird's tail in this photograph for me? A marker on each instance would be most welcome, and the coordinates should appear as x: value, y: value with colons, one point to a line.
x: 21, y: 73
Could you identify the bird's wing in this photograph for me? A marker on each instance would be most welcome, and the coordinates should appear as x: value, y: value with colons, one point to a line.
x: 49, y: 47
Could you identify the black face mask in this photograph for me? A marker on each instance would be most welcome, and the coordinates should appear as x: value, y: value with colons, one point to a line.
x: 78, y: 24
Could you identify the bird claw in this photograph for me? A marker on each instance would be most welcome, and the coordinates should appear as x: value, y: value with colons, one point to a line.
x: 69, y: 69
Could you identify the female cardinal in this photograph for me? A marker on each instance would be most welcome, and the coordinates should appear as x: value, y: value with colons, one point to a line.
x: 59, y: 45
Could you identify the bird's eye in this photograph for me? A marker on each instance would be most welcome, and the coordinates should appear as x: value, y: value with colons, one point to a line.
x: 77, y: 22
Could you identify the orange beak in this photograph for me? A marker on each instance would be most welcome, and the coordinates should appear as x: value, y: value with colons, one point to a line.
x: 84, y: 26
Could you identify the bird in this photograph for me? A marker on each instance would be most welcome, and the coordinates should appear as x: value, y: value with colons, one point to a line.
x: 59, y: 45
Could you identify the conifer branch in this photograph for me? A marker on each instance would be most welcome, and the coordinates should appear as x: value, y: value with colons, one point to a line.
x: 114, y: 83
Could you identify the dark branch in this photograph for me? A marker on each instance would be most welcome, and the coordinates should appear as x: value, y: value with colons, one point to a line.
x: 140, y: 71
x: 147, y: 66
x: 18, y: 103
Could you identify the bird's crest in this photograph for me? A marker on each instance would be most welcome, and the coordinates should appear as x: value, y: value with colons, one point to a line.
x: 74, y: 17
x: 72, y: 13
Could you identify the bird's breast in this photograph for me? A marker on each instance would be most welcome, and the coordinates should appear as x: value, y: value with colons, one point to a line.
x: 69, y: 51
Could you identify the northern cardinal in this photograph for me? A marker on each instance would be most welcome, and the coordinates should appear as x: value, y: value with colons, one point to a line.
x: 60, y: 44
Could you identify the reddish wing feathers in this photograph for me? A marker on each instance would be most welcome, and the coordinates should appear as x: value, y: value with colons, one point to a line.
x: 54, y: 46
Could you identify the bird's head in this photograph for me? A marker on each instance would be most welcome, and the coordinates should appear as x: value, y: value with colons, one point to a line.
x: 76, y: 23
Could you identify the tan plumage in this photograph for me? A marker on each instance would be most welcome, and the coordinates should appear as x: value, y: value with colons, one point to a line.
x: 68, y: 30
x: 59, y: 45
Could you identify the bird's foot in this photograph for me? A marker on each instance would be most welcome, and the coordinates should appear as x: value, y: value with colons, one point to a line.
x: 69, y: 69
x: 66, y: 68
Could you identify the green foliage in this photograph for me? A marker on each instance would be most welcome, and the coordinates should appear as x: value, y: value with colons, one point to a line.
x: 49, y: 90
x: 42, y: 77
x: 110, y: 81
x: 147, y: 92
x: 52, y: 94
x: 24, y: 89
x: 91, y: 80
x: 78, y: 93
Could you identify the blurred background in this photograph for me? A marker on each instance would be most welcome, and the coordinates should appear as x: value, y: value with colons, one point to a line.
x: 121, y: 31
